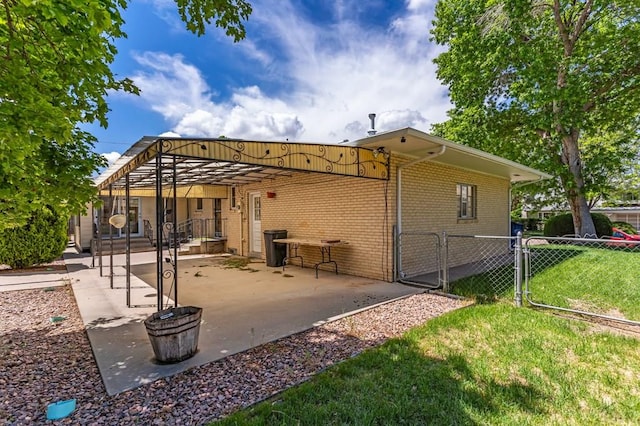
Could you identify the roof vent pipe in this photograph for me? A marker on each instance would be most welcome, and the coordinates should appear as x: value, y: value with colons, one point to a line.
x: 372, y: 131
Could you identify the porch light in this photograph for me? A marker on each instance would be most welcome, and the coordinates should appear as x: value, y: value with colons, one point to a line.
x: 380, y: 150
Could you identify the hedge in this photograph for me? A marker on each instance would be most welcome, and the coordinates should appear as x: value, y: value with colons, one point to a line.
x: 562, y: 224
x: 43, y: 239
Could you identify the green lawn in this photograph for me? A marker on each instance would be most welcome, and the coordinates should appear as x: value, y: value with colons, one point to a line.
x: 487, y: 364
x: 598, y: 280
x: 492, y: 363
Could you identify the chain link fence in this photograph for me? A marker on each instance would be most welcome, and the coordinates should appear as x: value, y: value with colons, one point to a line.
x: 587, y: 276
x: 597, y: 277
x: 478, y: 265
x: 419, y: 259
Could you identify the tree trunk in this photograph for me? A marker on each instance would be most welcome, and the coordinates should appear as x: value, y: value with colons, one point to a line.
x: 574, y: 186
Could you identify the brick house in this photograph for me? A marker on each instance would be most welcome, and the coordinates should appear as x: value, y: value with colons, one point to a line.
x: 403, y: 182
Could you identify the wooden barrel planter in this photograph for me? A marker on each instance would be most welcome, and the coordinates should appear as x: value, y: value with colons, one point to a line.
x: 174, y: 333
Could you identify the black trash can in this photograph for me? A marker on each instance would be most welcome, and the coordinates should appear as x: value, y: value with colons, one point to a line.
x: 275, y: 252
x: 515, y: 228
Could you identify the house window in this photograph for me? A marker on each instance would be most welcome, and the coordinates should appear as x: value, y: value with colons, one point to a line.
x: 466, y: 195
x: 232, y: 202
x: 198, y: 203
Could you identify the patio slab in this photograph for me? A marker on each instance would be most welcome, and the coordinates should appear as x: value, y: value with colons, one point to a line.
x: 241, y: 309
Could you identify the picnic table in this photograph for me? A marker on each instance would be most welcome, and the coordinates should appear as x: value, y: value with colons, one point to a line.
x: 325, y: 246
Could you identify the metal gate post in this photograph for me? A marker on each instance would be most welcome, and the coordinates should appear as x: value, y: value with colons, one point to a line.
x: 445, y: 263
x: 518, y: 270
x: 396, y: 248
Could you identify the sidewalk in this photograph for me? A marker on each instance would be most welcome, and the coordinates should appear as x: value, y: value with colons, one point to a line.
x: 10, y: 281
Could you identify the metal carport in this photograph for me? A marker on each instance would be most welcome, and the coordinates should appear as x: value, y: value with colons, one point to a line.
x: 171, y: 167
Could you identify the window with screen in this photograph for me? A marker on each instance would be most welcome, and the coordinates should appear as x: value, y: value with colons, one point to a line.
x: 466, y: 195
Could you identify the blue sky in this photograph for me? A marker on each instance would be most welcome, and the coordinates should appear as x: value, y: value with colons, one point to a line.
x: 307, y: 71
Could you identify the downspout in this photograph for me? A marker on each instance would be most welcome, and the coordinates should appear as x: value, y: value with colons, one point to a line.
x: 398, y: 254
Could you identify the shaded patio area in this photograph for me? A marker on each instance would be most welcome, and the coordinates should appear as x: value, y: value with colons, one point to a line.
x: 242, y: 308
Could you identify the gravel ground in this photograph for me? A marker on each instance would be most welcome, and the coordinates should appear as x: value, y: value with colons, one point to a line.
x: 43, y: 361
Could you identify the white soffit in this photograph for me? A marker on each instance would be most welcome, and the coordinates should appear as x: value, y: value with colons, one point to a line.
x: 417, y: 144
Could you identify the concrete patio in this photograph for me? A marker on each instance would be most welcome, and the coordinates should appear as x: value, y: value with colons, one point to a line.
x: 241, y: 309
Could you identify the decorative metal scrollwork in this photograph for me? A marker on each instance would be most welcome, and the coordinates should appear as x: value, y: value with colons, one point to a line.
x: 355, y: 161
x: 169, y: 268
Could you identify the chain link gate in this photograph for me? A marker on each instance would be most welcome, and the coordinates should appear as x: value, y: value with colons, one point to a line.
x: 419, y: 259
x: 583, y: 276
x: 481, y: 265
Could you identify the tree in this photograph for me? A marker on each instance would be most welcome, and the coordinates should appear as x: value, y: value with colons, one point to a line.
x: 625, y: 189
x: 54, y: 75
x: 532, y: 78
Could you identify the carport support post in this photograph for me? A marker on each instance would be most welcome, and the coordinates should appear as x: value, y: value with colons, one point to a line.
x: 518, y: 271
x: 128, y: 239
x: 159, y: 214
x: 99, y: 242
x: 175, y: 236
x: 94, y: 235
x: 111, y: 237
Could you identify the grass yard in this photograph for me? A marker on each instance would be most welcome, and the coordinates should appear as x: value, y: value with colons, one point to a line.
x: 601, y: 280
x: 593, y: 279
x: 493, y: 363
x: 486, y: 364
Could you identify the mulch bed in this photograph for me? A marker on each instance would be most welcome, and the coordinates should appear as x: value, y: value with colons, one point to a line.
x: 45, y: 356
x: 56, y: 265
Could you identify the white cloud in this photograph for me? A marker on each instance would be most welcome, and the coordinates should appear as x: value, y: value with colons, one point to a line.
x: 335, y: 75
x: 171, y: 87
x: 111, y: 157
x: 417, y: 5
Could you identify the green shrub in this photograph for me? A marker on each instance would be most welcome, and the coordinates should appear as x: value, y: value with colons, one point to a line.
x: 602, y: 223
x: 562, y: 224
x: 41, y: 240
x: 558, y: 225
x: 626, y: 227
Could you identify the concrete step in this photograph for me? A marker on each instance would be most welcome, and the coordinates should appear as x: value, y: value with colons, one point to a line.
x: 210, y: 246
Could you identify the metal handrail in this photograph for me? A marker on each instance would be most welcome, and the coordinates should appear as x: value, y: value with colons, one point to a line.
x: 148, y: 230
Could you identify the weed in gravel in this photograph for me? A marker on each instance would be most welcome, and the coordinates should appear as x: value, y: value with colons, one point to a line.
x: 352, y: 328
